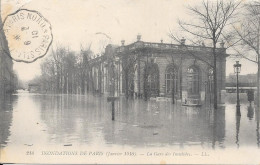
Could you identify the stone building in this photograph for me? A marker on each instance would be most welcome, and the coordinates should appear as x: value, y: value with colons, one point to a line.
x: 8, y: 79
x: 145, y: 69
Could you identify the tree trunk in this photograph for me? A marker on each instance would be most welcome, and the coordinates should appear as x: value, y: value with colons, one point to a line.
x: 145, y: 92
x: 92, y: 82
x: 181, y: 79
x: 258, y: 69
x: 83, y: 84
x: 99, y: 80
x: 56, y: 84
x: 126, y: 86
x: 173, y: 90
x: 215, y: 76
x: 87, y: 82
x: 61, y: 81
x: 258, y: 85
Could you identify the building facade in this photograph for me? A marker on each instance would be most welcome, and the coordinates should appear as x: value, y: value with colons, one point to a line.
x: 8, y: 80
x: 145, y: 69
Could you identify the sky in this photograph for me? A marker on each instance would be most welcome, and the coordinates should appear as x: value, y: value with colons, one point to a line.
x: 81, y: 22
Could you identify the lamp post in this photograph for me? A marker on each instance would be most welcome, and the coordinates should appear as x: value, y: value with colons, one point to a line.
x: 237, y: 69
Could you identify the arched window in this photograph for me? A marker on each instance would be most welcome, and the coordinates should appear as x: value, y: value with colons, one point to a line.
x: 151, y: 83
x: 153, y: 78
x: 193, y: 80
x: 171, y: 81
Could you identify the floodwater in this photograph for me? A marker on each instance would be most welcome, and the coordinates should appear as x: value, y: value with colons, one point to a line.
x: 67, y: 120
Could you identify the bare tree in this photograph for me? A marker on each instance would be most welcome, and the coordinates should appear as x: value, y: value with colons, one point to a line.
x: 83, y: 65
x: 210, y: 20
x: 128, y: 69
x: 247, y: 38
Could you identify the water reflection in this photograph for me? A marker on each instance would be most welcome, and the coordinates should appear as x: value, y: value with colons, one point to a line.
x: 71, y: 118
x: 86, y: 120
x: 218, y: 127
x: 6, y: 117
x: 250, y: 112
x: 237, y: 129
x: 257, y: 127
x: 159, y: 123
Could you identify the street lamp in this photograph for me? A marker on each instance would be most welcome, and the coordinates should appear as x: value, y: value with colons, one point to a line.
x: 237, y: 69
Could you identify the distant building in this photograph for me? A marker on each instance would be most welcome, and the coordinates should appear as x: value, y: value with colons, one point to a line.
x: 248, y: 80
x: 34, y: 88
x: 159, y: 70
x: 246, y: 83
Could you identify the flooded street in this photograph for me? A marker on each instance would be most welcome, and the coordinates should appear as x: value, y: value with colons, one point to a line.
x: 28, y: 119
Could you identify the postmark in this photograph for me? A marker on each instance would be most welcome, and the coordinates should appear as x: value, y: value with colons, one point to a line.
x: 29, y: 35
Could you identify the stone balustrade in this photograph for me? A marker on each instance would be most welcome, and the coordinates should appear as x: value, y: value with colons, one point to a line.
x: 165, y: 46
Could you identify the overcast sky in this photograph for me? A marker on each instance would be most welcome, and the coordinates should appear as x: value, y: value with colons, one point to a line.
x: 76, y: 22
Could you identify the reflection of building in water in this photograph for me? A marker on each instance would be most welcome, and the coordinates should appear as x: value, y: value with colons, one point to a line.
x: 250, y: 112
x: 6, y: 117
x: 71, y: 119
x: 238, y: 118
x: 8, y: 79
x: 220, y: 125
x: 155, y: 124
x: 159, y: 69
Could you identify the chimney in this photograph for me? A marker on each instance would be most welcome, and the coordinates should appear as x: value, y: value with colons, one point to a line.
x: 139, y: 37
x: 183, y: 41
x: 123, y: 42
x: 161, y: 40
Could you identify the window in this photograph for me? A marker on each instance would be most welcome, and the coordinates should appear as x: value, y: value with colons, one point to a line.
x: 171, y: 82
x: 152, y: 80
x: 193, y: 80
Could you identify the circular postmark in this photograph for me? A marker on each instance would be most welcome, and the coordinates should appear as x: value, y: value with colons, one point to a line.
x: 28, y: 35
